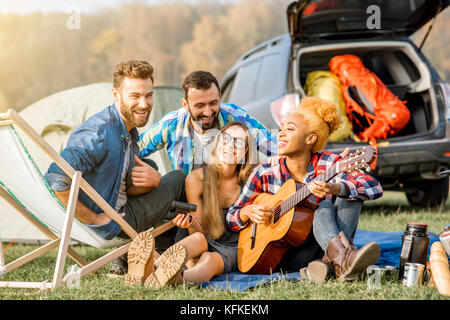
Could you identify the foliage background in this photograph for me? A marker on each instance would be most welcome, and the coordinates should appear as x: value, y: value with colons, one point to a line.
x: 39, y: 55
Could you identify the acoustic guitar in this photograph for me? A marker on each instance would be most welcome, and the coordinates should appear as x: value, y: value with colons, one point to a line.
x: 261, y: 246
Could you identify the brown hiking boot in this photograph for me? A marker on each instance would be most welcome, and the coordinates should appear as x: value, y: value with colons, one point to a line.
x: 170, y: 268
x: 317, y: 271
x: 140, y: 258
x: 348, y: 261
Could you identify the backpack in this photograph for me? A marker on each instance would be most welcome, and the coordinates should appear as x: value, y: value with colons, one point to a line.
x: 374, y: 111
x: 326, y: 85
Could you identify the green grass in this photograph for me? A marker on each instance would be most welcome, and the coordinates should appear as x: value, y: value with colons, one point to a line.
x: 391, y: 213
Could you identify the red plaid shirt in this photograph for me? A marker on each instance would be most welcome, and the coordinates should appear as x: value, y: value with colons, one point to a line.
x: 268, y: 179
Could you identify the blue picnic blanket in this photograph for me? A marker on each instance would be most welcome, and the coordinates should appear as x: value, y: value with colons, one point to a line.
x: 390, y: 247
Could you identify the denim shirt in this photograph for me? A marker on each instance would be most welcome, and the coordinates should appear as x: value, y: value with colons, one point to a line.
x: 97, y: 149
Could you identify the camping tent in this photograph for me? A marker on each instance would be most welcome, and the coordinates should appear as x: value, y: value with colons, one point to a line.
x: 54, y: 118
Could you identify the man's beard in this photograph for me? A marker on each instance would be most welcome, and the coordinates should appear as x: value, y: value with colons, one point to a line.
x: 204, y: 126
x: 127, y: 113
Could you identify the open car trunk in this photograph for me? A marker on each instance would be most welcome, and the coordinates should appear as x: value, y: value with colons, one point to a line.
x: 316, y: 19
x: 398, y: 66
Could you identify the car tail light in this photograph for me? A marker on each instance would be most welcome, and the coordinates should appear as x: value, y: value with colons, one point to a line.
x: 280, y: 108
x: 446, y: 91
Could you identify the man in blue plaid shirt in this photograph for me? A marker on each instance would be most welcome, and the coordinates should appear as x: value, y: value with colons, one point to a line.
x: 187, y: 133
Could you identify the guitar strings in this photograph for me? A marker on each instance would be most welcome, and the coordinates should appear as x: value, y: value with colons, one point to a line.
x: 302, y: 193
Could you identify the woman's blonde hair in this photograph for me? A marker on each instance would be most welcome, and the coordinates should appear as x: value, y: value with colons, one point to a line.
x: 213, y: 222
x: 322, y: 118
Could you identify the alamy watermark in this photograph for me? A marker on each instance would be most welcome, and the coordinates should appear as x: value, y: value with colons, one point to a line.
x: 74, y: 20
x: 373, y: 22
x: 74, y: 280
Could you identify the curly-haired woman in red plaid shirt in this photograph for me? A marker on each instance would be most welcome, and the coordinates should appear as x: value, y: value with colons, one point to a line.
x: 303, y: 134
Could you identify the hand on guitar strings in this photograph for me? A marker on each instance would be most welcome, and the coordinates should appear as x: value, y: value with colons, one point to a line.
x: 258, y: 213
x: 320, y: 188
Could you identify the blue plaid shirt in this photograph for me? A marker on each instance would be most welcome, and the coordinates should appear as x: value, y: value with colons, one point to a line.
x: 268, y: 179
x: 172, y: 132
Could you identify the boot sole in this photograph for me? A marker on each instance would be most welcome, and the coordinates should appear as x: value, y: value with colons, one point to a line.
x: 318, y: 271
x: 365, y: 258
x: 170, y: 267
x: 140, y: 258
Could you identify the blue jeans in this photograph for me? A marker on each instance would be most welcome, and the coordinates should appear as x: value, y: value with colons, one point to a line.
x: 330, y: 219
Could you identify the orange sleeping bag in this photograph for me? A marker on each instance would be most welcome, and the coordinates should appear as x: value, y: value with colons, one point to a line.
x: 375, y: 112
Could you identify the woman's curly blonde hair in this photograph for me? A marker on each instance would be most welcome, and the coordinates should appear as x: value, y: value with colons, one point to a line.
x: 322, y: 118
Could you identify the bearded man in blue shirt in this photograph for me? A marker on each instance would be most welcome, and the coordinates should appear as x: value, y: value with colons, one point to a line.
x: 104, y: 148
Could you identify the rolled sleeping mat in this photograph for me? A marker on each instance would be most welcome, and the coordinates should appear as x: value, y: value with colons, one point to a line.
x: 440, y: 268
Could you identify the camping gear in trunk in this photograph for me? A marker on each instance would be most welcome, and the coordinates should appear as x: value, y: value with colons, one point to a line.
x: 373, y: 109
x: 326, y: 85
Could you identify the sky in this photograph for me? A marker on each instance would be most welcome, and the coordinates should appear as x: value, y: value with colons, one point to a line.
x: 84, y: 6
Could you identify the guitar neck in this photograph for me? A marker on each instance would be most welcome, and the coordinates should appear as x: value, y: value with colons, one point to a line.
x: 304, y: 191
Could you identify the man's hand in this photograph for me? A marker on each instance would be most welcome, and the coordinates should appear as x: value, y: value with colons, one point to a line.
x: 144, y: 176
x: 320, y: 188
x: 101, y: 219
x: 82, y: 212
x: 258, y: 213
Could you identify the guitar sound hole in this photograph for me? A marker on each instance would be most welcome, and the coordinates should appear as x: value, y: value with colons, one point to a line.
x: 276, y: 217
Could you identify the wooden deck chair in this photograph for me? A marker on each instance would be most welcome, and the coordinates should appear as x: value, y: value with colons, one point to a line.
x: 23, y: 186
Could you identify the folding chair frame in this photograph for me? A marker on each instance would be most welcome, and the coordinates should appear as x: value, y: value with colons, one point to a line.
x: 12, y: 118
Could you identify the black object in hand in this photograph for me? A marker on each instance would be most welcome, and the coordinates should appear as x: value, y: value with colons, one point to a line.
x: 178, y: 207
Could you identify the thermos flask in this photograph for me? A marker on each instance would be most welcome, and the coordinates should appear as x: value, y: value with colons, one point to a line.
x: 414, y: 246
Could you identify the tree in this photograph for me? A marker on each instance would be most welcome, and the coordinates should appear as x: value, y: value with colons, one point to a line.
x: 218, y: 41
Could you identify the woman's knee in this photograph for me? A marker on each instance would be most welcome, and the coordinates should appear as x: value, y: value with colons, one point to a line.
x: 355, y: 205
x: 199, y: 238
x: 214, y: 260
x: 325, y: 208
x: 196, y: 240
x: 326, y: 204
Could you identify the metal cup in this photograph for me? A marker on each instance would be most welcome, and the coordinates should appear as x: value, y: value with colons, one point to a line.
x: 413, y: 274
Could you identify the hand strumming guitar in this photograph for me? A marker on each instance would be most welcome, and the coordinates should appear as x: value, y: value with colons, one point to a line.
x: 257, y: 213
